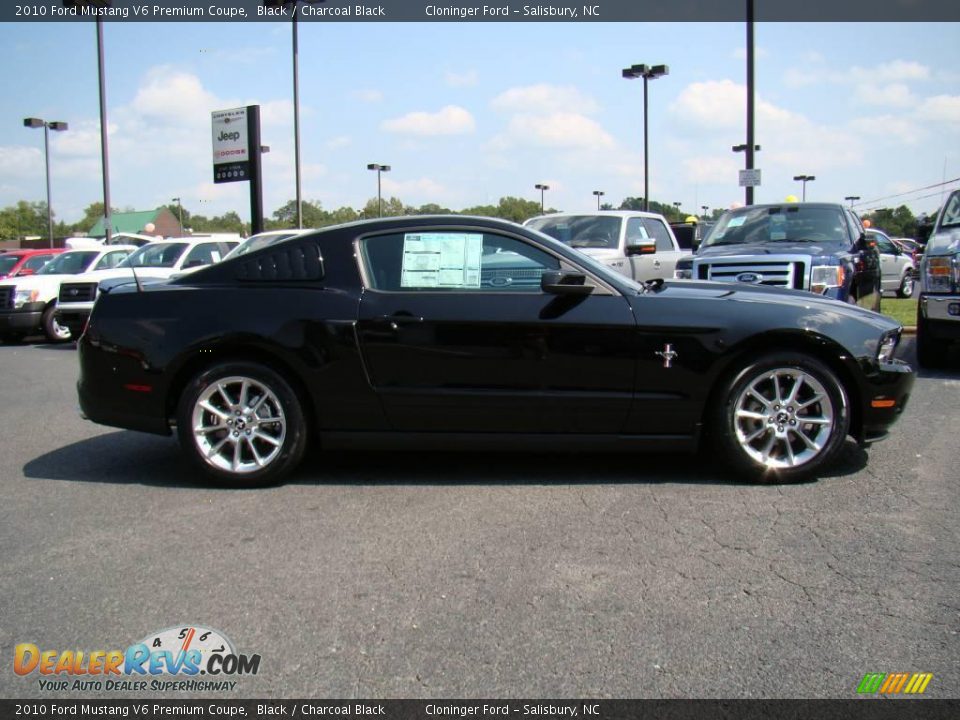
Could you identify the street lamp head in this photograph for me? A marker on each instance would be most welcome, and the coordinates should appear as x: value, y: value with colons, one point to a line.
x: 540, y: 186
x: 378, y: 166
x: 633, y: 72
x: 58, y: 125
x: 804, y: 178
x: 598, y: 193
x: 175, y: 200
x: 657, y: 71
x: 33, y: 122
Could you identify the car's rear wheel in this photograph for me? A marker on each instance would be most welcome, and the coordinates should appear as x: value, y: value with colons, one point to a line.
x: 242, y: 424
x: 906, y: 286
x: 54, y: 331
x: 931, y: 351
x: 782, y: 418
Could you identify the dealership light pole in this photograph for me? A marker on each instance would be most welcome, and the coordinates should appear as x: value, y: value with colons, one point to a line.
x: 804, y: 179
x: 102, y: 83
x: 295, y: 42
x: 646, y: 72
x: 47, y: 127
x: 704, y: 208
x: 850, y: 199
x: 599, y: 194
x: 379, y: 168
x: 542, y: 188
x: 750, y: 146
x: 179, y: 212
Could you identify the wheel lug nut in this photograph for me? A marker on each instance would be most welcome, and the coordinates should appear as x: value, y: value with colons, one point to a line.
x: 236, y: 434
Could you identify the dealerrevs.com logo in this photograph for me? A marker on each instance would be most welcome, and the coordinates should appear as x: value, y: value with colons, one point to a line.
x: 187, y: 658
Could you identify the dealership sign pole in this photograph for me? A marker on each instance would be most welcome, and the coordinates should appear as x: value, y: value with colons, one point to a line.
x: 236, y: 154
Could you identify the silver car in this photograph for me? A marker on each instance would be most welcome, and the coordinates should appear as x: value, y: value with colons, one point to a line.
x: 898, y: 271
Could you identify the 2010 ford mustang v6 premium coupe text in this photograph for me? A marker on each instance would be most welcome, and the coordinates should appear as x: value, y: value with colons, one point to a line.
x: 460, y: 331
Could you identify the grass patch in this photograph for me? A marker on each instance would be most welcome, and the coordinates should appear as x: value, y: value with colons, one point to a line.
x: 903, y: 311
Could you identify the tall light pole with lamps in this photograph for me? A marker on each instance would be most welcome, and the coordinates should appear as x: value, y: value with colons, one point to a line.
x: 47, y: 127
x: 850, y: 199
x: 542, y: 188
x: 295, y: 48
x: 647, y: 72
x: 804, y: 179
x: 379, y: 168
x: 179, y: 212
x: 599, y: 194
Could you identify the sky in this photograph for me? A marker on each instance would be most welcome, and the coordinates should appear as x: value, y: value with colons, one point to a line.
x: 465, y: 113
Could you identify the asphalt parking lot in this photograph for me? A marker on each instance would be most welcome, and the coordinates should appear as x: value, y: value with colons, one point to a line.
x: 477, y: 575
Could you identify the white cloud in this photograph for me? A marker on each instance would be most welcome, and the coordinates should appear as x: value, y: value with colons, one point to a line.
x: 338, y: 142
x: 816, y: 71
x: 449, y: 120
x: 544, y: 99
x: 892, y: 94
x: 888, y: 128
x: 707, y: 169
x: 558, y: 130
x: 714, y: 103
x: 173, y: 97
x: 20, y: 162
x: 464, y: 79
x: 941, y: 108
x: 368, y: 95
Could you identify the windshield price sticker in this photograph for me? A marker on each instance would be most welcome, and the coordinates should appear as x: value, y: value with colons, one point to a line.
x: 442, y: 260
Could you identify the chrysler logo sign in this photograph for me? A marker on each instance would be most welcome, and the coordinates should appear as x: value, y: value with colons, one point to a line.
x: 748, y: 277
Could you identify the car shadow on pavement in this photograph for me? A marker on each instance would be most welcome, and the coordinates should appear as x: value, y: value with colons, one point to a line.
x: 125, y: 457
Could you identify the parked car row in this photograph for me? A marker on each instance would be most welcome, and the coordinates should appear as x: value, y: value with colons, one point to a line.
x: 56, y: 299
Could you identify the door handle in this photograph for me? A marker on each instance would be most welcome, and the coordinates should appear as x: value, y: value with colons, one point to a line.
x: 656, y: 263
x: 395, y: 321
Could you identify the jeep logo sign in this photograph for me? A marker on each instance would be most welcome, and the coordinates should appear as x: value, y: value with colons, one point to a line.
x: 231, y: 154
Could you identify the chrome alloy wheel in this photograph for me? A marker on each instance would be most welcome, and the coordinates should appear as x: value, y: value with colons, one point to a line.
x: 783, y: 418
x: 238, y: 425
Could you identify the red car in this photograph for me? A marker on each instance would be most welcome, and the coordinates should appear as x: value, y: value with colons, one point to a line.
x: 18, y: 263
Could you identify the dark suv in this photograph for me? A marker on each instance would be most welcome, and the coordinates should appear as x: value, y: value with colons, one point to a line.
x: 820, y: 247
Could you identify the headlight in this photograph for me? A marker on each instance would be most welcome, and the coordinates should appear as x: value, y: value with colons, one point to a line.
x: 887, y: 347
x: 683, y: 269
x: 22, y: 297
x: 824, y: 277
x: 941, y: 274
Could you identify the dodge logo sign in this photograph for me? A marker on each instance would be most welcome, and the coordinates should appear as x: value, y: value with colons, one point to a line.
x: 748, y: 277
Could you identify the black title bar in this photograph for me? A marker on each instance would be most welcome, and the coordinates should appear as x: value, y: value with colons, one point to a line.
x: 863, y: 11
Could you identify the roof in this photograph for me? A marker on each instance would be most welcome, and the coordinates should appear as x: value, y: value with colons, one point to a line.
x: 603, y: 213
x: 131, y: 222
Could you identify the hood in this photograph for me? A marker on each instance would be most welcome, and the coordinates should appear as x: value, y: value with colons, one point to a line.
x: 799, y: 299
x: 39, y: 282
x: 771, y: 248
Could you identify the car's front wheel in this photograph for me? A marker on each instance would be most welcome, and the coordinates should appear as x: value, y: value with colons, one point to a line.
x: 781, y: 418
x: 54, y: 331
x: 906, y: 286
x: 242, y: 424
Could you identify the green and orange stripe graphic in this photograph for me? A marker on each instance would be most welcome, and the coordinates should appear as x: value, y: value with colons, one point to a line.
x: 894, y: 683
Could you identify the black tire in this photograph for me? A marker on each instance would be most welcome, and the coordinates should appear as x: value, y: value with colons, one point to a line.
x: 229, y: 447
x: 54, y: 331
x: 745, y: 431
x: 906, y: 286
x: 931, y: 351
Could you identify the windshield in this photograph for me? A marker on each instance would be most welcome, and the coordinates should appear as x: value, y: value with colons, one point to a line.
x: 258, y: 242
x: 160, y: 255
x: 951, y: 211
x: 581, y: 231
x: 788, y: 223
x: 70, y: 263
x: 7, y: 262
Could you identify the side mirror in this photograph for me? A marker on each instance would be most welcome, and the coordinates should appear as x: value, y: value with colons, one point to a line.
x: 565, y: 283
x: 642, y: 247
x: 924, y: 228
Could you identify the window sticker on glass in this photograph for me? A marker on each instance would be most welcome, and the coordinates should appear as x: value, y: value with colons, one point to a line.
x: 736, y: 221
x: 778, y: 227
x: 443, y: 260
x: 215, y: 256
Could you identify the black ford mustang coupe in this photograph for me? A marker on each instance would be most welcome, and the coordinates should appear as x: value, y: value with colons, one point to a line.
x: 471, y: 332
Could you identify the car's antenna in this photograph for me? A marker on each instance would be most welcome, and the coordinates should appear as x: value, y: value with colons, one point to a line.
x: 133, y: 269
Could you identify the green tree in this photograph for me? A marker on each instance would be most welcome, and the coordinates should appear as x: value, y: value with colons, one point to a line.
x: 24, y: 218
x: 899, y: 222
x: 508, y: 208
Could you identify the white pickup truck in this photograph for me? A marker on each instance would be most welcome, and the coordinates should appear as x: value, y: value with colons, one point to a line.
x: 29, y: 304
x: 637, y: 244
x: 157, y: 261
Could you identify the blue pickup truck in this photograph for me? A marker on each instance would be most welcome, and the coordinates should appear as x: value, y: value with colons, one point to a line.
x: 819, y: 247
